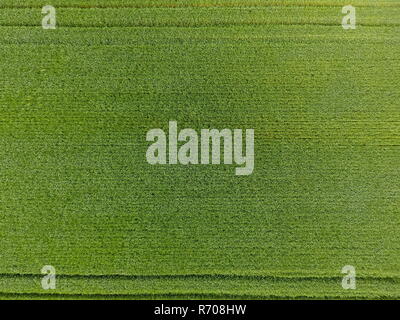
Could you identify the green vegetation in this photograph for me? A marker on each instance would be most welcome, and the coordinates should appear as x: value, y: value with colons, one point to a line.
x: 77, y: 193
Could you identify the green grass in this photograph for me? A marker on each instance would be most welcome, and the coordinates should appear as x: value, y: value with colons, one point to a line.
x: 77, y: 193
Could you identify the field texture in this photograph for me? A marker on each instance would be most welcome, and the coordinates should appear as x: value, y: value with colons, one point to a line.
x: 77, y: 193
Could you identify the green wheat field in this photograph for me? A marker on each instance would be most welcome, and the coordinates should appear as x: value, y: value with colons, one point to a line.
x: 77, y: 193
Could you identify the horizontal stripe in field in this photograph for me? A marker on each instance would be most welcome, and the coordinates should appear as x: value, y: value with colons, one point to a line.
x: 200, y: 17
x: 194, y: 3
x: 198, y: 287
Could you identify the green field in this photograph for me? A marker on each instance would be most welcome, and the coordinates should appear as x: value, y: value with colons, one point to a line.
x: 77, y: 193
